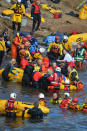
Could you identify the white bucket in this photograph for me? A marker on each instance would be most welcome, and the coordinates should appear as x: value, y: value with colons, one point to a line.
x: 24, y: 22
x: 8, y: 1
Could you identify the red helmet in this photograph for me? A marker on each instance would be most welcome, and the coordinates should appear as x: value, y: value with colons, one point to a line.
x: 24, y: 39
x: 26, y: 45
x: 75, y: 99
x: 28, y: 37
x: 57, y: 37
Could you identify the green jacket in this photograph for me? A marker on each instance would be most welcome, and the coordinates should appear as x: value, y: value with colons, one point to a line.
x: 79, y: 55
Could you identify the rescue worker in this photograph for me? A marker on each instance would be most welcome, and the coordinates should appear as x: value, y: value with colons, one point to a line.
x: 83, y: 107
x: 24, y: 61
x: 15, y: 45
x: 55, y: 49
x: 7, y: 40
x: 42, y: 100
x: 8, y: 69
x: 60, y: 75
x: 73, y: 75
x: 65, y: 102
x: 36, y: 15
x: 67, y: 45
x: 53, y: 67
x: 10, y: 106
x: 39, y: 71
x: 19, y: 10
x: 2, y: 48
x: 56, y: 99
x: 35, y: 112
x: 74, y: 104
x: 27, y: 76
x: 67, y: 58
x: 55, y: 78
x: 79, y: 55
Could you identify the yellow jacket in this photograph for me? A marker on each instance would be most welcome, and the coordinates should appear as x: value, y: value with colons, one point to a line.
x: 67, y: 46
x: 22, y: 7
x: 2, y: 46
x: 70, y: 75
x: 58, y: 46
x: 18, y: 11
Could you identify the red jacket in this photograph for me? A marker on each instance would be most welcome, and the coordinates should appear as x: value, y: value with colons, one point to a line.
x: 24, y: 63
x: 51, y: 68
x: 65, y: 103
x: 53, y: 77
x: 37, y: 76
x: 37, y: 8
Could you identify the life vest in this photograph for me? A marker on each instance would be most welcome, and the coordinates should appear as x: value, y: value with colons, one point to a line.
x: 10, y: 104
x: 37, y: 8
x: 53, y: 70
x: 53, y: 77
x: 18, y: 9
x: 54, y: 48
x: 70, y: 75
x: 85, y: 108
x: 74, y: 106
x: 64, y: 103
x: 42, y: 102
x: 37, y: 76
x: 24, y: 63
x: 79, y: 55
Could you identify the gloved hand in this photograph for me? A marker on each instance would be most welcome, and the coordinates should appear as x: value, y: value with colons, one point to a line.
x: 5, y: 53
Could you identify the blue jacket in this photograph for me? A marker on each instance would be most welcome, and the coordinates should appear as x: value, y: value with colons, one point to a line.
x: 49, y: 39
x: 34, y: 42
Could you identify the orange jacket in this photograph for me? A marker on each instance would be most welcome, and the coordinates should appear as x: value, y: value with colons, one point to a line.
x: 14, y: 46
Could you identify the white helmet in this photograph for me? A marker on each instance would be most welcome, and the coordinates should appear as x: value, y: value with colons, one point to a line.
x: 58, y: 69
x: 65, y: 37
x: 66, y: 94
x: 42, y: 50
x: 67, y: 81
x: 19, y: 1
x: 41, y: 96
x: 13, y: 95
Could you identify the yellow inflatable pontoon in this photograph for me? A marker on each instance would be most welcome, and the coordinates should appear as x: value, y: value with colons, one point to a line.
x: 77, y: 37
x: 15, y: 75
x: 7, y: 12
x: 21, y: 108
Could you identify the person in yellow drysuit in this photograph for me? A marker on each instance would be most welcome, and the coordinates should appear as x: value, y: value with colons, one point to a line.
x: 19, y: 10
x: 73, y: 75
x: 67, y: 45
x: 55, y: 49
x: 2, y: 48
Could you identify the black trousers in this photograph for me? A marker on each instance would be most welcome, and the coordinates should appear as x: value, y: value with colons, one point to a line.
x: 1, y: 56
x: 36, y: 20
x: 14, y: 26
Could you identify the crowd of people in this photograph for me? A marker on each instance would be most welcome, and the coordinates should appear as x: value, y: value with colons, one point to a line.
x: 58, y: 65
